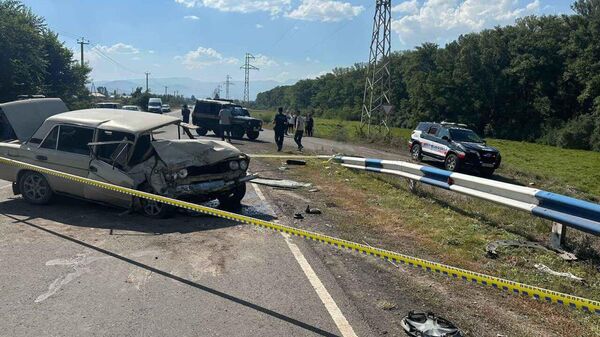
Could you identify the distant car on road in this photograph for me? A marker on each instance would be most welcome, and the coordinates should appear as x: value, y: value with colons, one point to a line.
x: 120, y: 147
x: 108, y: 105
x: 455, y: 144
x: 166, y: 108
x: 131, y: 107
x: 206, y: 117
x: 155, y: 105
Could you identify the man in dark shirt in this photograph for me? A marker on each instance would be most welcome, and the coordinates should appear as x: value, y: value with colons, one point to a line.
x: 185, y: 113
x: 280, y: 121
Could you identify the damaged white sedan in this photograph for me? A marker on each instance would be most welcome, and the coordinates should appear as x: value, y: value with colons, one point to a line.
x: 119, y: 147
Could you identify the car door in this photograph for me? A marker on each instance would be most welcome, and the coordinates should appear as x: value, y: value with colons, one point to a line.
x: 443, y: 142
x: 428, y: 141
x: 66, y: 149
x: 106, y: 164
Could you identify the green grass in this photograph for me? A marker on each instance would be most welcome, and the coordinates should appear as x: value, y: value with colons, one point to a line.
x: 571, y: 172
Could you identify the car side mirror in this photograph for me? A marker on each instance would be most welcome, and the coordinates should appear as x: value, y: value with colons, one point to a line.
x: 446, y: 138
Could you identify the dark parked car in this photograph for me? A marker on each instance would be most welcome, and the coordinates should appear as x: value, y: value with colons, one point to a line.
x: 455, y: 144
x: 206, y: 117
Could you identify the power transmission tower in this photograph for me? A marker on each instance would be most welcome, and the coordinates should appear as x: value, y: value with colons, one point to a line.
x: 378, y: 85
x: 227, y: 84
x: 217, y: 92
x: 82, y: 42
x: 147, y: 73
x: 247, y: 67
x: 166, y: 92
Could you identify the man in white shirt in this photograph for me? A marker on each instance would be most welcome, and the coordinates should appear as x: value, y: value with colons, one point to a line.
x: 225, y: 123
x: 299, y: 125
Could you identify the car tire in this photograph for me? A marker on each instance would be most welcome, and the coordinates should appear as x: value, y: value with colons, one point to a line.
x: 35, y: 188
x: 252, y: 135
x: 201, y: 131
x: 415, y: 152
x: 237, y: 132
x: 486, y: 172
x: 452, y: 163
x: 154, y: 209
x: 234, y: 198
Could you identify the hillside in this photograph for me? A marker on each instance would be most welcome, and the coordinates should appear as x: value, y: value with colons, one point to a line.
x: 537, y: 80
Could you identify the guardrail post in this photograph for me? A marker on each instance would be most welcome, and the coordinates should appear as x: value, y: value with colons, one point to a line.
x: 557, y: 237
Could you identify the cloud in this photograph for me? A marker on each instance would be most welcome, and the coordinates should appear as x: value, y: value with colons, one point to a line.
x: 259, y: 26
x: 191, y: 17
x: 203, y: 57
x: 274, y: 7
x: 325, y: 11
x: 264, y: 61
x: 411, y: 7
x: 309, y: 59
x: 150, y: 51
x: 119, y: 48
x: 442, y: 20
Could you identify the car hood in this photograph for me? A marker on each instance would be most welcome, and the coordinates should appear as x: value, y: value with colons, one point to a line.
x: 477, y: 147
x: 26, y: 116
x: 181, y: 153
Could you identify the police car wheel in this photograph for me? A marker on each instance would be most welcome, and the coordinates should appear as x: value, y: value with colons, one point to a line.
x: 416, y: 152
x: 452, y: 162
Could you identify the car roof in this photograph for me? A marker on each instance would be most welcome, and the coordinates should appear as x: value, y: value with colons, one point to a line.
x: 114, y: 119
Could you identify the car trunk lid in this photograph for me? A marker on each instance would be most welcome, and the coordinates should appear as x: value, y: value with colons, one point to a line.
x: 26, y: 116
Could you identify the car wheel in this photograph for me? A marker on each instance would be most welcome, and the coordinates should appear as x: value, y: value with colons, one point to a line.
x: 201, y: 131
x: 452, y: 162
x: 237, y: 132
x: 252, y: 135
x: 415, y: 152
x: 35, y: 188
x: 486, y: 172
x: 234, y: 198
x: 155, y: 209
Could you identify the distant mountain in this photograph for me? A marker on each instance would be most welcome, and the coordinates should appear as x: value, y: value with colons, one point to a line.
x: 187, y: 86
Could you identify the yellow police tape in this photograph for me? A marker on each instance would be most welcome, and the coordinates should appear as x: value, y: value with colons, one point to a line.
x: 457, y: 273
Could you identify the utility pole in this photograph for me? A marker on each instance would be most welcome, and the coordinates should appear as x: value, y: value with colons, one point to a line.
x: 378, y: 86
x: 82, y: 42
x: 147, y: 73
x: 247, y: 67
x: 227, y: 84
x: 166, y: 93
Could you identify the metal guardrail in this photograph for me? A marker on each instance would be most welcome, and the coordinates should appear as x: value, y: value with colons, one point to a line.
x: 575, y: 213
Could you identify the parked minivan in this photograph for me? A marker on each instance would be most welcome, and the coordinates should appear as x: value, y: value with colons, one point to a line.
x: 155, y: 105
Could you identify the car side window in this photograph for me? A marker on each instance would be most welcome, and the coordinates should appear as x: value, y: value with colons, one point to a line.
x: 50, y: 140
x: 443, y: 132
x: 433, y: 130
x: 105, y: 151
x: 75, y: 139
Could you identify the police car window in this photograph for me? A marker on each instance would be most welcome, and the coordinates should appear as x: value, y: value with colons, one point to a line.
x: 443, y: 133
x: 50, y: 141
x: 464, y: 135
x: 433, y: 130
x: 75, y: 139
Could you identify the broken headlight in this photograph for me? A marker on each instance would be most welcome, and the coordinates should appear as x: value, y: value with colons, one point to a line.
x: 234, y: 165
x: 182, y: 174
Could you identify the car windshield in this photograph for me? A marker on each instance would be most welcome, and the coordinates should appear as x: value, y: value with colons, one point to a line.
x: 154, y: 104
x: 464, y: 135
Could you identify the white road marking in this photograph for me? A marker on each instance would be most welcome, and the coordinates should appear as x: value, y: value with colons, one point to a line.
x: 334, y: 311
x: 5, y: 186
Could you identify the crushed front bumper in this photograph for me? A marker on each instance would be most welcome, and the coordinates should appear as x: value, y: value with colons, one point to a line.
x: 210, y: 187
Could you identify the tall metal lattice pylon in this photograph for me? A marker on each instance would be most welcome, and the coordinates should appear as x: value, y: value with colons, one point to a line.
x: 378, y: 85
x: 247, y: 67
x: 227, y: 84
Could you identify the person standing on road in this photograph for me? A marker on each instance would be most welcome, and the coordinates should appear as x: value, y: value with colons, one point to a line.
x: 281, y: 124
x: 225, y: 123
x: 290, y: 122
x: 300, y: 126
x: 310, y: 123
x: 185, y: 113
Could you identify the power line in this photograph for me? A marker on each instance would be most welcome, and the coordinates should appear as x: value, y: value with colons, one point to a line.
x: 82, y: 42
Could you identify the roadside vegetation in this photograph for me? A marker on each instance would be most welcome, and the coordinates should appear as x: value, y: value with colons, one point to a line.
x: 537, y: 80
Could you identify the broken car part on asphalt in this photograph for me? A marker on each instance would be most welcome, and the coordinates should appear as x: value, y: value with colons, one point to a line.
x: 280, y: 183
x: 312, y: 210
x: 422, y: 324
x: 295, y: 162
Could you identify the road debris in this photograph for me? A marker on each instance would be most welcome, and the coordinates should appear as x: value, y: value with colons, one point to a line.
x: 546, y: 269
x: 298, y: 216
x: 314, y: 190
x: 280, y: 183
x: 295, y: 162
x: 312, y: 210
x: 494, y: 245
x: 419, y: 324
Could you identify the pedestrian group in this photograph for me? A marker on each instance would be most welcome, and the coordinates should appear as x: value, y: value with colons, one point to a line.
x: 297, y: 123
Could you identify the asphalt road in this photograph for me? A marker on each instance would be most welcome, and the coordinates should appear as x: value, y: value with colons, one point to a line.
x: 75, y: 268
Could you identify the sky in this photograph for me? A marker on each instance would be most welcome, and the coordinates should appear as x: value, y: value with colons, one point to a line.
x: 290, y: 39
